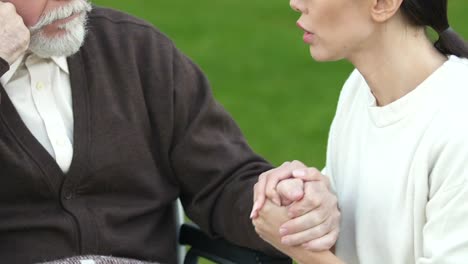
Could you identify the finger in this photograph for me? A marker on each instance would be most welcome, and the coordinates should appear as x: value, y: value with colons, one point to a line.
x: 290, y: 190
x: 316, y: 195
x: 324, y: 243
x: 259, y: 195
x: 276, y: 176
x: 327, y: 181
x: 259, y: 191
x: 253, y: 213
x: 307, y: 174
x: 307, y: 235
x: 313, y: 199
x: 304, y: 222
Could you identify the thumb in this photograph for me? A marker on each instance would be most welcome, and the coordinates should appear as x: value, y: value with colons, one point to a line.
x: 290, y: 190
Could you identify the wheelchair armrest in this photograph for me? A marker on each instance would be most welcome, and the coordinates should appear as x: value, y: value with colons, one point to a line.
x: 219, y: 250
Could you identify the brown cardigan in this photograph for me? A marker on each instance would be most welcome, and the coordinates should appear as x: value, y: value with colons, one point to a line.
x: 147, y: 130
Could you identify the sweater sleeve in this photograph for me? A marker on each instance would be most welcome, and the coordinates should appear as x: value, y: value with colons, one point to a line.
x: 445, y: 233
x: 215, y: 167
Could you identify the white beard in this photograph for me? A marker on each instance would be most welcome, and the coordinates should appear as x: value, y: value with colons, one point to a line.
x: 64, y: 44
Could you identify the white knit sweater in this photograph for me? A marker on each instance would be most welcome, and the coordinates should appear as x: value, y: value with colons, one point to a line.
x: 401, y: 171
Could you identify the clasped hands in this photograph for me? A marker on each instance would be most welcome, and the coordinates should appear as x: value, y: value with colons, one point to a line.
x: 294, y: 206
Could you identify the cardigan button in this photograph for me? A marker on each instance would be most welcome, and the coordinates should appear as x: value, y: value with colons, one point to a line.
x: 68, y: 195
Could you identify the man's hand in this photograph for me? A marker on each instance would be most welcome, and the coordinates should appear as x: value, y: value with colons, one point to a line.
x: 14, y: 35
x: 312, y: 207
x: 268, y: 182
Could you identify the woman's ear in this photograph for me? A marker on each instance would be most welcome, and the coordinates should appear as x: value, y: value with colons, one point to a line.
x: 383, y: 10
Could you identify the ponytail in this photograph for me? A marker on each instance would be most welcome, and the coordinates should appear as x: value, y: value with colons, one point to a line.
x: 450, y: 42
x: 433, y: 13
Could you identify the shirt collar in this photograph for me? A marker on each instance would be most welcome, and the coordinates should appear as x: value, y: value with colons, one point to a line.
x: 61, y: 61
x: 13, y: 68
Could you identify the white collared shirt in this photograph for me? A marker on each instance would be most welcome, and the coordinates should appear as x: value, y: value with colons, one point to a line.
x: 40, y: 90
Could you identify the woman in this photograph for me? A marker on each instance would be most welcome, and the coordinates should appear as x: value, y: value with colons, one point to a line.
x: 397, y: 154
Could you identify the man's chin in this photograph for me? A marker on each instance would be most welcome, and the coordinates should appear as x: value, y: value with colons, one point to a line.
x: 53, y: 53
x: 65, y: 45
x: 65, y: 42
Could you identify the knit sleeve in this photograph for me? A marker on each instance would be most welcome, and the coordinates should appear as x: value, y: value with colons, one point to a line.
x: 445, y: 233
x: 215, y: 167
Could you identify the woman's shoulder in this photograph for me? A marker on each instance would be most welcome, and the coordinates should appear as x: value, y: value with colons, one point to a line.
x: 352, y: 89
x: 456, y: 72
x: 453, y: 99
x: 353, y: 83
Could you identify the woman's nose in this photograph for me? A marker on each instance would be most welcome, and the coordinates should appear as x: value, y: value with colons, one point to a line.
x: 296, y: 6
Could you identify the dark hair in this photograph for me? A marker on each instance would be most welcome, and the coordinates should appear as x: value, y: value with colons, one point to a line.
x: 433, y: 13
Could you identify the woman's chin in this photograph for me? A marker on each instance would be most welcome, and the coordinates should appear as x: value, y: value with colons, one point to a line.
x: 322, y: 56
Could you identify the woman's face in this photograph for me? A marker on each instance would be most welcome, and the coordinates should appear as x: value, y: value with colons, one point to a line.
x: 334, y: 29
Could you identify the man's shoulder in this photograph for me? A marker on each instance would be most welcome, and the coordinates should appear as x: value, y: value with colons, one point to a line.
x: 104, y: 20
x: 115, y: 17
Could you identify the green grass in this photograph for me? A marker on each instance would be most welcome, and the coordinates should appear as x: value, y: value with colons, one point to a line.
x: 260, y: 69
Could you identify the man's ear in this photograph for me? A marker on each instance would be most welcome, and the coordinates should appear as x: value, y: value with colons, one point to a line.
x: 383, y: 10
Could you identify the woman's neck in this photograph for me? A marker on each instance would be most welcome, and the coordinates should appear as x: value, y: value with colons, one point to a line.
x: 395, y: 65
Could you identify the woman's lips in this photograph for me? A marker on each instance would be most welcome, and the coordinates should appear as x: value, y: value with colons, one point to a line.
x: 308, y: 36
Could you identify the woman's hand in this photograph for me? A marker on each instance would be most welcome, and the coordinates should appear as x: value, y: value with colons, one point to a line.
x: 268, y: 223
x: 269, y: 219
x: 313, y: 215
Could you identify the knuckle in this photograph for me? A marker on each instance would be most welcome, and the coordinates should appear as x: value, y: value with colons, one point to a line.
x: 323, y: 214
x: 262, y: 176
x: 316, y: 219
x: 327, y: 226
x: 270, y: 193
x: 335, y: 236
x: 8, y: 5
x: 323, y: 186
x: 313, y: 171
x: 272, y: 178
x: 313, y: 201
x: 323, y: 228
x: 338, y: 217
x: 9, y: 8
x: 320, y: 231
x: 328, y: 243
x: 313, y: 187
x: 313, y: 246
x: 296, y: 211
x: 282, y: 188
x: 297, y: 163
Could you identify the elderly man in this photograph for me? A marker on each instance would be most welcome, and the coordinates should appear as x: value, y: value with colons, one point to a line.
x: 101, y: 131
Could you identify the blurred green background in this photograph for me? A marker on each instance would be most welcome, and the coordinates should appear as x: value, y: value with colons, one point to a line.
x: 259, y: 68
